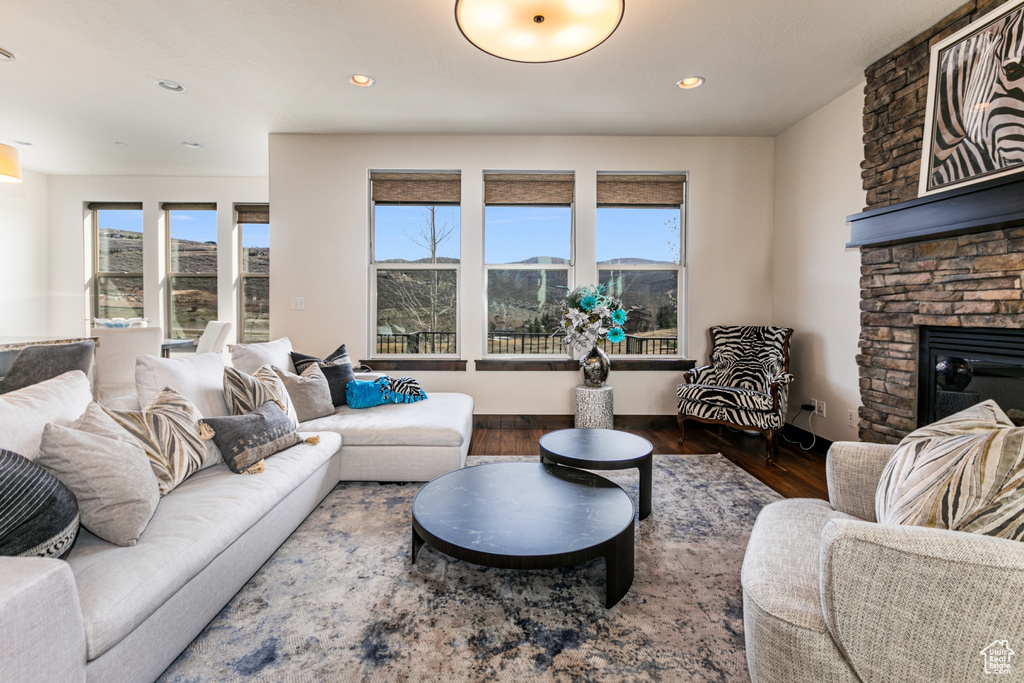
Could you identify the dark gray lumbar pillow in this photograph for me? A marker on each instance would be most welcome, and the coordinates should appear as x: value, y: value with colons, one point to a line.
x: 38, y: 514
x: 107, y: 470
x: 245, y: 440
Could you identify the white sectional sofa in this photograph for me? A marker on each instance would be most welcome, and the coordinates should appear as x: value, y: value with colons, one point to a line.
x: 111, y: 613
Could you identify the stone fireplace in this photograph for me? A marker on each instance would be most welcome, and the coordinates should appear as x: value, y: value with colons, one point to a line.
x: 951, y: 260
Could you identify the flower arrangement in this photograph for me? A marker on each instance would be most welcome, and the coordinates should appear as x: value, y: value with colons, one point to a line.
x: 590, y: 316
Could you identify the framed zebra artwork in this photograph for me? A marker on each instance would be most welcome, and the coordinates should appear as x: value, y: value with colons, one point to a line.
x: 974, y: 119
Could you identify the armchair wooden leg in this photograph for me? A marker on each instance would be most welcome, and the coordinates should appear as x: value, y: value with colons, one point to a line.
x: 769, y: 457
x: 682, y: 432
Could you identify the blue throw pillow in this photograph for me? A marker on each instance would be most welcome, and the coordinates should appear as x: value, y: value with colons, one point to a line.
x: 364, y: 394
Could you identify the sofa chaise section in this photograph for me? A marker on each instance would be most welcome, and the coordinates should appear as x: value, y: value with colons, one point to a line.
x: 404, y: 441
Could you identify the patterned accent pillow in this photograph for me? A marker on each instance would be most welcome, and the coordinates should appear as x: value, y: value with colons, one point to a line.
x: 168, y: 431
x: 965, y: 473
x: 245, y: 393
x: 365, y: 394
x: 245, y: 440
x: 38, y: 514
x: 337, y: 367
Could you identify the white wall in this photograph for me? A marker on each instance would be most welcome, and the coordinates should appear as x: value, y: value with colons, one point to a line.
x: 71, y: 241
x: 816, y: 287
x: 320, y: 233
x: 24, y: 265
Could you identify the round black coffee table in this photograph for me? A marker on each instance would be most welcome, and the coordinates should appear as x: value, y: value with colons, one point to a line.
x: 523, y: 515
x: 602, y: 449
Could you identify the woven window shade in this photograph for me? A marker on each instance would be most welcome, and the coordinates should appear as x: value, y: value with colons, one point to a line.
x: 416, y: 188
x: 640, y: 190
x: 253, y: 213
x: 115, y: 206
x: 189, y: 206
x: 528, y: 188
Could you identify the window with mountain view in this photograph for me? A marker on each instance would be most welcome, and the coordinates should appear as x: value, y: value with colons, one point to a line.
x: 118, y: 262
x: 191, y: 268
x: 639, y: 257
x: 528, y: 223
x: 415, y: 272
x: 254, y: 236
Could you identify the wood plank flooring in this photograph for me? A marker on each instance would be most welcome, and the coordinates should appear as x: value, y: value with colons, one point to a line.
x: 795, y: 474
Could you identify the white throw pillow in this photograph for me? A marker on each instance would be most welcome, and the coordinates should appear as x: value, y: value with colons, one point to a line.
x: 25, y: 412
x: 199, y: 378
x: 251, y: 357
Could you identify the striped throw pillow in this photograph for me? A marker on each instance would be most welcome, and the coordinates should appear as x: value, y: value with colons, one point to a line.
x: 168, y: 431
x: 965, y: 473
x: 245, y: 393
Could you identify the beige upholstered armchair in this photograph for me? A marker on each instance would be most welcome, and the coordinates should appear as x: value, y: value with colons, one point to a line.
x: 831, y: 595
x: 746, y: 385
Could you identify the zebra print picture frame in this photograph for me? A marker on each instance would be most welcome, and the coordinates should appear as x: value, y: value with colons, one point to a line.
x: 974, y: 118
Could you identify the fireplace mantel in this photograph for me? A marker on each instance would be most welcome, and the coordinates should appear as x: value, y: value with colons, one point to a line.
x: 991, y: 205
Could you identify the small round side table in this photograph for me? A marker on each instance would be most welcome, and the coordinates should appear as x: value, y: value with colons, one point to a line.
x: 595, y: 407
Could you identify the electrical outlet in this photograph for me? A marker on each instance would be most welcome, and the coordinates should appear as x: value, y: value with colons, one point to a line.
x: 298, y: 303
x: 820, y: 410
x: 851, y: 418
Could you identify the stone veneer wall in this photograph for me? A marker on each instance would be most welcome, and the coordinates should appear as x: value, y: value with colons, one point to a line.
x: 970, y: 281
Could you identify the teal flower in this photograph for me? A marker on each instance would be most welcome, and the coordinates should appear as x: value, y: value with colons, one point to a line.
x: 588, y: 302
x: 616, y: 335
x: 619, y: 317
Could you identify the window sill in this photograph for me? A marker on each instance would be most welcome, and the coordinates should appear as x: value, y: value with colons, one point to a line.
x: 618, y: 364
x: 432, y: 364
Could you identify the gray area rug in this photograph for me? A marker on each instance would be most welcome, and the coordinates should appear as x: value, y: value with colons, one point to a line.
x: 340, y: 601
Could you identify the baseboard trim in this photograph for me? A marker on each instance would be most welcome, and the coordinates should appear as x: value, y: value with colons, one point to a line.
x: 567, y: 421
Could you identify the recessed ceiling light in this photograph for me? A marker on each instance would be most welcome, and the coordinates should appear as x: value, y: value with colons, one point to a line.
x: 691, y: 82
x: 360, y: 80
x: 6, y: 56
x: 191, y: 145
x: 171, y: 86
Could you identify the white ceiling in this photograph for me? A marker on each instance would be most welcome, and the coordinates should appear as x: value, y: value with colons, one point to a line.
x: 84, y: 73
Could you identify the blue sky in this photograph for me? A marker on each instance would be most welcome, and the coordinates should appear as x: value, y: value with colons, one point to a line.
x: 513, y: 233
x: 516, y: 234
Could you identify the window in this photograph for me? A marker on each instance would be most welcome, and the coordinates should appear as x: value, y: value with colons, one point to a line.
x: 416, y: 243
x: 528, y: 237
x: 639, y: 256
x: 117, y: 260
x: 191, y: 268
x: 254, y: 236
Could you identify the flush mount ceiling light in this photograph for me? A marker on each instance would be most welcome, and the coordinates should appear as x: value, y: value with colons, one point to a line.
x: 537, y: 30
x: 191, y: 145
x: 171, y: 86
x: 10, y: 167
x: 360, y: 80
x: 691, y: 82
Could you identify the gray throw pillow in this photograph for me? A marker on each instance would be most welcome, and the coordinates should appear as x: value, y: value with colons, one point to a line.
x: 107, y: 471
x: 310, y: 392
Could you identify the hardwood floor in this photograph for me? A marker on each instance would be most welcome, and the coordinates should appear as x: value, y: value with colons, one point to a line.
x: 795, y: 474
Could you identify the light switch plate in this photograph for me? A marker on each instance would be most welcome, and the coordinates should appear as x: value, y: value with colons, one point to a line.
x: 298, y: 303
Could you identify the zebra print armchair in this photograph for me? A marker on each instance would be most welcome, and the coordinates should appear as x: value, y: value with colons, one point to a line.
x: 746, y: 386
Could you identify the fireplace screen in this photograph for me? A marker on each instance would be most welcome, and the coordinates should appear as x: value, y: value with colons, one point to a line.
x: 961, y: 366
